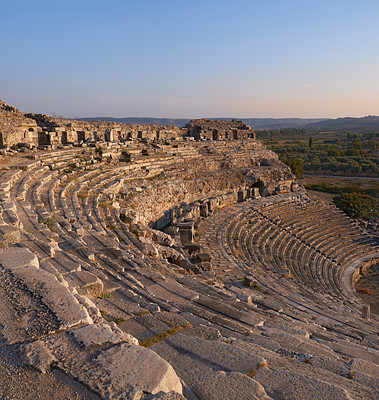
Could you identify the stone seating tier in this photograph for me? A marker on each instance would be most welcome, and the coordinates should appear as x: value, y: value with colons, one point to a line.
x: 128, y: 281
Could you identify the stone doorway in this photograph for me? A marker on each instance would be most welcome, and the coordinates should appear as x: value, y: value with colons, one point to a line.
x: 81, y: 136
x: 261, y: 186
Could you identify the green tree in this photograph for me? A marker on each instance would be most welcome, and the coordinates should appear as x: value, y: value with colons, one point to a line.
x: 357, y: 205
x: 296, y: 166
x: 351, y: 136
x: 310, y: 143
x: 357, y: 144
x: 372, y: 145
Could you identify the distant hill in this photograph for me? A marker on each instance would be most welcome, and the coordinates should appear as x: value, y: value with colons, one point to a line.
x: 370, y: 122
x: 343, y: 124
x: 141, y: 120
x: 255, y: 123
x: 278, y: 123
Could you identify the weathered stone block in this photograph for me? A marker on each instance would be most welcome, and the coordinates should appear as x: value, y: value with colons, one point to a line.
x: 85, y: 280
x: 36, y: 354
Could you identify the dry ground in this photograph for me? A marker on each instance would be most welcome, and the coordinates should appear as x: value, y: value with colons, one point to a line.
x: 370, y: 282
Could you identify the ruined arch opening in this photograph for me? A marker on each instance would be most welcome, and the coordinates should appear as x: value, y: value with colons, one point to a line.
x: 81, y: 136
x: 261, y: 186
x: 43, y: 138
x: 64, y: 138
x: 1, y: 140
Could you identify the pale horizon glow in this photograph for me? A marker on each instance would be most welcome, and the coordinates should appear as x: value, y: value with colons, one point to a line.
x: 172, y: 59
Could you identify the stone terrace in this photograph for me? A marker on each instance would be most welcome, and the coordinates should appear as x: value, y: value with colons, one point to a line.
x: 247, y: 297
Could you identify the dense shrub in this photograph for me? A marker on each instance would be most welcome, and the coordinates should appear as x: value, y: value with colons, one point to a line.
x: 357, y: 205
x: 296, y: 166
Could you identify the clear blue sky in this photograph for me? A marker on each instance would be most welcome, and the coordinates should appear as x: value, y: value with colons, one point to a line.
x: 198, y: 58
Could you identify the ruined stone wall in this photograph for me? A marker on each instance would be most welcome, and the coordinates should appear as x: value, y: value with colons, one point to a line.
x: 213, y: 170
x: 15, y: 127
x: 40, y: 129
x: 204, y: 129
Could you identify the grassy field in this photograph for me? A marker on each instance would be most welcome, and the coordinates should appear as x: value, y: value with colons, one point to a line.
x: 326, y: 187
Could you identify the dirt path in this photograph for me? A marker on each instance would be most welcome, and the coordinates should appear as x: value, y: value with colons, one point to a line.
x: 26, y: 383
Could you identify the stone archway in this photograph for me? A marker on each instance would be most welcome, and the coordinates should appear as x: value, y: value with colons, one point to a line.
x: 261, y: 186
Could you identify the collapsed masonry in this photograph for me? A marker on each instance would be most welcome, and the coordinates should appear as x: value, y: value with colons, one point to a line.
x: 17, y: 128
x: 219, y: 130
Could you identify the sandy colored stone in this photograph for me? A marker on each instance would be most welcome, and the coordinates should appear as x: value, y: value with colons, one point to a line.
x: 12, y: 258
x: 10, y: 233
x: 131, y: 370
x: 286, y: 384
x: 166, y: 396
x: 366, y: 367
x: 102, y: 335
x: 37, y: 355
x: 85, y: 280
x: 229, y: 386
x: 56, y: 296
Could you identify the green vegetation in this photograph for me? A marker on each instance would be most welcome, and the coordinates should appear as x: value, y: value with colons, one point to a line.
x: 48, y: 222
x: 120, y: 238
x: 141, y: 313
x: 163, y: 335
x: 331, y: 152
x: 296, y: 165
x: 255, y: 286
x: 252, y: 372
x: 119, y: 320
x: 104, y: 204
x: 357, y: 205
x: 310, y: 143
x: 106, y: 295
x: 156, y: 176
x: 82, y: 194
x: 372, y: 189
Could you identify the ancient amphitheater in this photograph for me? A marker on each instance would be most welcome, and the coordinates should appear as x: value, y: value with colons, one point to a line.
x: 167, y: 263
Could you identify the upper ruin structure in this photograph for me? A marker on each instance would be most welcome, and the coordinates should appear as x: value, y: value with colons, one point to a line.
x: 17, y: 128
x: 215, y: 129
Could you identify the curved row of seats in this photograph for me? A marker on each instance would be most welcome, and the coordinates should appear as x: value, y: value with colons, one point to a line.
x: 305, y: 239
x: 68, y: 220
